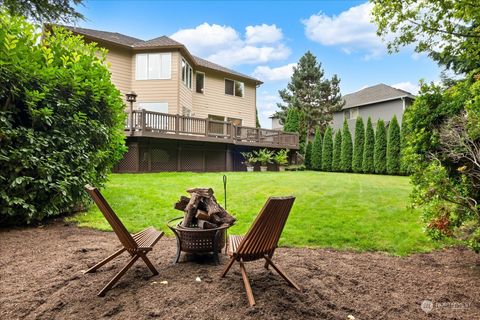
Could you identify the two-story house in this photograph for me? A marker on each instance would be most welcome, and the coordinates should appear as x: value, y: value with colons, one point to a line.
x: 377, y: 102
x: 189, y: 114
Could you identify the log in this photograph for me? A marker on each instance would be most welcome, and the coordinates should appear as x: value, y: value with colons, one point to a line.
x: 204, y: 192
x: 182, y: 203
x: 203, y: 215
x: 205, y: 224
x: 191, y: 210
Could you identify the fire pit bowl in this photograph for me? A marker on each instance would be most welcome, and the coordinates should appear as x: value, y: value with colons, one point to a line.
x: 197, y: 240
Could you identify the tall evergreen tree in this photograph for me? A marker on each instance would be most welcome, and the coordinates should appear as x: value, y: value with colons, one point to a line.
x: 327, y: 150
x: 308, y: 156
x: 404, y: 168
x: 337, y: 151
x: 393, y: 147
x: 347, y: 149
x: 317, y: 151
x: 292, y: 121
x: 318, y: 98
x: 359, y: 141
x: 368, y: 148
x: 380, y: 150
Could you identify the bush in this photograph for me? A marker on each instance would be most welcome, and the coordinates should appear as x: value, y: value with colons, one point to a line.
x: 393, y: 147
x: 61, y: 121
x: 358, y: 145
x: 346, y: 153
x: 281, y: 157
x: 337, y: 151
x: 264, y: 156
x: 317, y: 151
x: 368, y: 149
x: 380, y: 150
x: 300, y: 167
x: 327, y: 150
x: 308, y: 156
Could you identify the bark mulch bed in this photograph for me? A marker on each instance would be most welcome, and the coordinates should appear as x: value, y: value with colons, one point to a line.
x: 41, y: 278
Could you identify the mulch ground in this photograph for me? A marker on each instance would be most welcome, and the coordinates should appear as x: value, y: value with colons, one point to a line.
x: 41, y: 278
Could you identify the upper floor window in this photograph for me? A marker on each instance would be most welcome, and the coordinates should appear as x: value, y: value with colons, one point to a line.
x: 187, y: 74
x: 351, y: 113
x: 234, y: 88
x: 151, y: 66
x: 200, y: 82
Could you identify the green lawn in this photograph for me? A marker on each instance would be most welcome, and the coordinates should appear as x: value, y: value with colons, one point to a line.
x: 333, y: 210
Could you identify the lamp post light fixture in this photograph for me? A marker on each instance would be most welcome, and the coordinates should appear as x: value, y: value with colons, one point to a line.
x: 131, y: 97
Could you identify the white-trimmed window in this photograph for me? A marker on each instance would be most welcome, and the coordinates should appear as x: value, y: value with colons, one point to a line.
x: 153, y: 66
x: 234, y: 88
x: 187, y: 74
x: 200, y: 82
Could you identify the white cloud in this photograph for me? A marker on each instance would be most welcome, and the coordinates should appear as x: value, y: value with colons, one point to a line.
x: 351, y: 30
x: 265, y: 73
x: 263, y: 34
x: 225, y: 46
x: 267, y: 105
x: 407, y: 86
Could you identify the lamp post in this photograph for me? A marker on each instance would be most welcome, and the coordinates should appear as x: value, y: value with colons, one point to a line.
x: 131, y: 97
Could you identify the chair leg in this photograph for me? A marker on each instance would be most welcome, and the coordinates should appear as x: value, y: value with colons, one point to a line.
x: 230, y: 263
x: 118, y: 276
x: 104, y: 261
x: 246, y: 283
x: 148, y: 263
x: 281, y: 273
x: 270, y: 255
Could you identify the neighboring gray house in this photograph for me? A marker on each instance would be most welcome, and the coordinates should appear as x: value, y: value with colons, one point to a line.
x: 276, y: 125
x: 378, y: 102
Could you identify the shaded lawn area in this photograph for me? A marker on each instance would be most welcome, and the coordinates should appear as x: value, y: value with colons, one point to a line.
x: 333, y: 210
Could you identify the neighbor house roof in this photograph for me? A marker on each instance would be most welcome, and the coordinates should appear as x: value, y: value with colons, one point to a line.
x: 156, y: 43
x: 375, y: 94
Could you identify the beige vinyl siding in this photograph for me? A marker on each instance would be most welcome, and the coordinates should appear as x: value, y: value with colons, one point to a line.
x: 120, y: 65
x: 214, y: 100
x: 185, y: 94
x: 165, y: 90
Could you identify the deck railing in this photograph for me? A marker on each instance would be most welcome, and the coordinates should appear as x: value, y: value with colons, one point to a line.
x: 149, y: 123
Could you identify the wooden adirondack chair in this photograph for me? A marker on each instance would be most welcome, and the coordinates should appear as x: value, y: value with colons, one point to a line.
x: 137, y: 245
x: 261, y: 241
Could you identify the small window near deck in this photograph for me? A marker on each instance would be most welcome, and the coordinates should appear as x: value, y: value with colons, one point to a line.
x: 200, y: 82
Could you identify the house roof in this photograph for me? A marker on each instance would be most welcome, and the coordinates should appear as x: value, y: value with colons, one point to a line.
x: 156, y: 43
x: 375, y: 94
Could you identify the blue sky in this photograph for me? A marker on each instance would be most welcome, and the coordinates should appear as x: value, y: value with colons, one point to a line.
x: 264, y: 39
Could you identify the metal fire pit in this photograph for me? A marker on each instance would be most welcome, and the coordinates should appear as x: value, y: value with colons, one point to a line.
x: 196, y: 240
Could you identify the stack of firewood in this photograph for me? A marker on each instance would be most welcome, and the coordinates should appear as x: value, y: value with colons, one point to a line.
x: 202, y: 210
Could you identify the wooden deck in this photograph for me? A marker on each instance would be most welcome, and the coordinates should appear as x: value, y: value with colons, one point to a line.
x: 143, y: 123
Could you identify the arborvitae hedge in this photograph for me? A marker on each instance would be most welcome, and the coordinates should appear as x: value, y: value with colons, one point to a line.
x: 292, y: 121
x: 327, y: 150
x: 393, y: 147
x: 404, y: 167
x: 358, y: 145
x: 368, y: 149
x: 308, y: 156
x: 317, y: 151
x: 380, y: 151
x: 337, y: 151
x: 347, y: 149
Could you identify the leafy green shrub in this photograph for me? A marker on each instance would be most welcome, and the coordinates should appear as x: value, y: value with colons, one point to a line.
x: 308, y: 156
x: 264, y: 156
x: 346, y: 152
x: 368, y: 148
x: 281, y: 157
x: 393, y: 147
x: 327, y: 150
x: 380, y: 150
x: 317, y: 151
x: 61, y: 121
x: 359, y: 141
x: 337, y: 151
x: 249, y: 157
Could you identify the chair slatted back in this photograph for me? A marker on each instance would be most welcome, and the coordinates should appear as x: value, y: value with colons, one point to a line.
x: 117, y: 226
x: 263, y: 236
